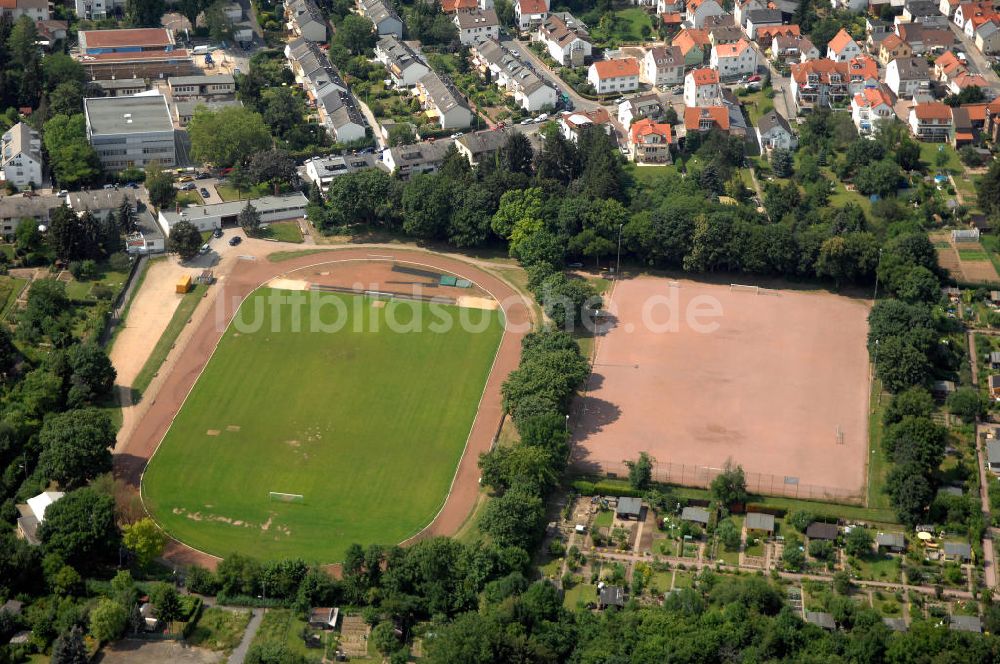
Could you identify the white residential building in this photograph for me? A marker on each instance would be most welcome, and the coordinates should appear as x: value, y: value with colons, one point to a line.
x: 842, y: 47
x: 93, y: 10
x: 21, y: 156
x: 476, y: 25
x: 732, y: 60
x: 639, y: 107
x: 566, y: 39
x: 36, y: 10
x: 409, y: 160
x: 905, y: 76
x: 529, y: 14
x: 305, y: 19
x: 773, y: 132
x: 701, y: 88
x: 614, y: 76
x: 869, y: 108
x: 662, y: 66
x: 698, y: 11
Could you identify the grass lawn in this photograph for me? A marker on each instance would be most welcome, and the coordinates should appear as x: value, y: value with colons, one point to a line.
x: 603, y: 519
x: 10, y: 288
x: 929, y: 155
x: 878, y: 462
x: 626, y: 27
x: 82, y: 290
x: 343, y: 418
x: 757, y: 104
x: 185, y: 198
x: 219, y: 629
x: 661, y: 582
x: 162, y: 348
x: 286, y: 231
x: 878, y: 568
x: 683, y: 579
x: 230, y: 193
x: 579, y: 595
x: 756, y: 548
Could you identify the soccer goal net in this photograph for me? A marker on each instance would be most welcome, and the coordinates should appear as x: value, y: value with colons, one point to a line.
x: 745, y: 287
x: 278, y: 496
x: 378, y: 295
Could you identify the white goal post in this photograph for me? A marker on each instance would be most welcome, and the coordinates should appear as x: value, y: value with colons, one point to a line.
x: 286, y: 497
x: 745, y: 287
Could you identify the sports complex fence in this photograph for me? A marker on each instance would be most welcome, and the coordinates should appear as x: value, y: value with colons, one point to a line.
x: 701, y: 476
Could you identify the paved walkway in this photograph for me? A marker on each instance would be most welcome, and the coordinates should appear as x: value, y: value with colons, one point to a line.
x: 240, y: 653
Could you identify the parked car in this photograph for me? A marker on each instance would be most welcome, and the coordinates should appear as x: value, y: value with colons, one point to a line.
x: 187, y: 186
x: 217, y: 233
x: 202, y: 176
x: 754, y: 79
x: 204, y: 192
x: 204, y: 249
x: 235, y: 240
x: 185, y: 178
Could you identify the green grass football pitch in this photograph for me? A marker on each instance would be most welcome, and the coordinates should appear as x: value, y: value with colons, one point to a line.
x: 366, y: 423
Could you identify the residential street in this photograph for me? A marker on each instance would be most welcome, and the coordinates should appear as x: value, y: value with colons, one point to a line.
x: 978, y: 59
x: 546, y: 72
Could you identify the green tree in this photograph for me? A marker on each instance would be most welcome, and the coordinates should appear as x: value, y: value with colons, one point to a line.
x: 92, y: 377
x: 515, y: 518
x: 281, y: 109
x: 355, y: 34
x: 916, y: 439
x: 220, y: 28
x: 640, y: 471
x: 730, y: 486
x: 881, y: 177
x: 228, y: 136
x: 821, y: 549
x: 108, y: 620
x: 72, y: 160
x: 781, y: 163
x: 900, y: 365
x: 160, y: 185
x: 272, y: 167
x: 166, y: 602
x: 792, y: 557
x: 988, y: 190
x: 59, y: 68
x: 966, y: 403
x: 81, y: 528
x: 918, y: 285
x: 842, y: 582
x: 728, y: 534
x: 909, y: 491
x: 858, y: 542
x: 145, y: 539
x: 504, y: 465
x: 384, y: 638
x: 915, y: 402
x: 185, y: 240
x: 144, y: 13
x: 69, y: 648
x: 76, y: 446
x: 515, y: 206
x: 249, y: 219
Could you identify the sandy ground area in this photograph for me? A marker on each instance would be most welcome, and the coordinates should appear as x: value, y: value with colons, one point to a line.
x: 289, y: 284
x: 131, y: 651
x: 778, y: 382
x: 241, y: 271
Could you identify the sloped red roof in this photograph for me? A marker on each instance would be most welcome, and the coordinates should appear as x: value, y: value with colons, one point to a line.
x: 872, y: 97
x: 646, y: 127
x: 694, y: 114
x: 617, y: 68
x: 841, y: 40
x: 704, y: 76
x: 934, y: 110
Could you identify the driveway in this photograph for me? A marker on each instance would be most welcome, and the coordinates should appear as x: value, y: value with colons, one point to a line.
x: 546, y: 72
x: 981, y: 62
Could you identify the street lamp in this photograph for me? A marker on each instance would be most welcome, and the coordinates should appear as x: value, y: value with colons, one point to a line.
x: 618, y: 265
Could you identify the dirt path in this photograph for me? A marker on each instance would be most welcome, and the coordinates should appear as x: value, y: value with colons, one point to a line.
x: 241, y: 274
x: 241, y: 650
x: 153, y: 305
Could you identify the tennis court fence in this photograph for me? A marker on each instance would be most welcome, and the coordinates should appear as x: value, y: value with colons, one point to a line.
x: 701, y: 476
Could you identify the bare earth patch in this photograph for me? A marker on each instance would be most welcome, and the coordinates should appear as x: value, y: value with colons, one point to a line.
x: 780, y: 386
x: 130, y: 651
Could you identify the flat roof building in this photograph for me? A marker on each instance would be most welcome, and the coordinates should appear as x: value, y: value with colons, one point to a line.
x: 695, y: 514
x: 629, y: 508
x: 758, y: 521
x: 208, y: 217
x: 822, y: 531
x: 130, y: 131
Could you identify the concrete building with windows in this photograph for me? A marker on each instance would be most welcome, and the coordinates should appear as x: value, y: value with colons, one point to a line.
x: 216, y: 86
x: 529, y: 14
x: 21, y: 156
x: 483, y: 144
x: 662, y: 66
x: 94, y: 10
x: 736, y: 59
x: 774, y: 132
x: 701, y: 88
x: 614, y: 76
x: 649, y: 142
x: 130, y: 131
x: 323, y: 170
x: 209, y: 217
x: 476, y: 25
x: 133, y: 53
x: 36, y: 10
x: 37, y: 209
x: 121, y: 87
x: 408, y: 160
